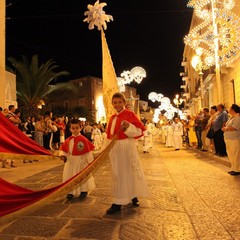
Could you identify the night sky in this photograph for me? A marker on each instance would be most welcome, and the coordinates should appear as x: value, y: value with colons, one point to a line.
x: 146, y: 33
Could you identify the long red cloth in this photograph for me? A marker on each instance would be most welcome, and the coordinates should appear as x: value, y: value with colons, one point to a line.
x: 13, y: 140
x: 14, y: 198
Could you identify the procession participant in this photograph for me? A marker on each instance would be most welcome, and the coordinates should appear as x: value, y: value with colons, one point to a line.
x: 76, y: 152
x: 177, y: 133
x: 128, y: 181
x: 169, y: 134
x: 96, y: 137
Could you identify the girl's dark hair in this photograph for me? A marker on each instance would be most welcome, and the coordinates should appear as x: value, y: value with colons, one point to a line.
x: 235, y: 108
x: 118, y: 95
x: 214, y: 108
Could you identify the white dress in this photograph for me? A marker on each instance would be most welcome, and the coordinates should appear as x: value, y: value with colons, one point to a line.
x: 177, y: 134
x: 96, y: 137
x: 127, y: 175
x: 76, y: 164
x: 169, y: 136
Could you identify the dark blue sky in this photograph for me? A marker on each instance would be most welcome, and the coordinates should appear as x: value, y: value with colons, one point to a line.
x: 146, y: 33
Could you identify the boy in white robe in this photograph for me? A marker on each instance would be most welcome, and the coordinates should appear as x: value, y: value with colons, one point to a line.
x: 128, y: 181
x: 76, y: 152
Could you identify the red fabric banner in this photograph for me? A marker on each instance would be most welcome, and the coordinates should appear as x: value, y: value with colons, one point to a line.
x: 13, y: 140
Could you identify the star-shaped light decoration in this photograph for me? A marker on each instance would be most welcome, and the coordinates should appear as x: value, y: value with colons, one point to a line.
x: 96, y: 16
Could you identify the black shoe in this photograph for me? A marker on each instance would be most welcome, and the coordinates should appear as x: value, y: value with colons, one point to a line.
x: 83, y: 195
x: 235, y: 173
x: 135, y: 202
x: 231, y: 172
x: 177, y: 149
x: 69, y: 196
x: 113, y: 209
x: 203, y: 150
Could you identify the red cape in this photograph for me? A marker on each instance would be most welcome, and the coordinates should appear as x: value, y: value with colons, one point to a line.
x: 13, y: 140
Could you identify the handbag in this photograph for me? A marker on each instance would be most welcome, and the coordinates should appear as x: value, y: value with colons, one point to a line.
x: 210, y: 133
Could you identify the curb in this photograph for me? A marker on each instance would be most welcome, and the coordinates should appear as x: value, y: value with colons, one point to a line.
x: 222, y: 160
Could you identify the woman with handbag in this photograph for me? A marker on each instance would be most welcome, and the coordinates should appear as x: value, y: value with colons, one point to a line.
x: 210, y: 134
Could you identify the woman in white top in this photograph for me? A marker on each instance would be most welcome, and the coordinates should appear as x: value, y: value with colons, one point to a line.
x: 232, y: 139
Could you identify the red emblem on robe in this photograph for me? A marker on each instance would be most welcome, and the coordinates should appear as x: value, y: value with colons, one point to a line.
x: 81, y: 145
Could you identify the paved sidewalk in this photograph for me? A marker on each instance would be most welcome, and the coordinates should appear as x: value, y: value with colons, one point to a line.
x: 191, y: 197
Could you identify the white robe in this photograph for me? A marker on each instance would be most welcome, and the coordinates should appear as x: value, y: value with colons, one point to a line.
x: 169, y: 136
x: 177, y: 134
x: 76, y: 164
x: 127, y: 175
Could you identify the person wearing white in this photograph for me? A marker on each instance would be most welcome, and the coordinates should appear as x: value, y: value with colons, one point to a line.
x: 169, y: 135
x: 146, y: 141
x: 177, y: 133
x: 96, y: 137
x: 128, y: 181
x: 76, y: 152
x: 232, y: 139
x: 150, y: 128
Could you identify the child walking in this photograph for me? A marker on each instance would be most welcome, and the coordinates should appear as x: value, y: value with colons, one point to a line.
x: 76, y: 152
x: 128, y: 181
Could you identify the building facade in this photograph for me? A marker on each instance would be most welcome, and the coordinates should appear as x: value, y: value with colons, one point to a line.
x: 88, y: 93
x: 199, y: 94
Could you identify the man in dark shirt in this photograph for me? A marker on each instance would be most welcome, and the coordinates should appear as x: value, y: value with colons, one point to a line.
x: 219, y: 123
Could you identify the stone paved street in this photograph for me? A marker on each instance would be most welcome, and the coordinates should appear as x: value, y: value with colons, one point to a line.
x: 191, y: 197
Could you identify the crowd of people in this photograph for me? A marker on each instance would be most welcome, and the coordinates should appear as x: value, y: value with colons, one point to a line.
x: 214, y: 130
x: 51, y: 131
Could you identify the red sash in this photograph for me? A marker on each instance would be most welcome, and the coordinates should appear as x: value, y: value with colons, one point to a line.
x: 81, y: 145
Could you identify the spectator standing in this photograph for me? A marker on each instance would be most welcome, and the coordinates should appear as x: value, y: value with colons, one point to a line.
x: 39, y: 130
x: 13, y: 118
x: 213, y: 113
x: 87, y: 131
x: 62, y: 128
x: 49, y: 131
x: 29, y: 127
x: 191, y: 132
x: 232, y: 139
x: 198, y: 130
x: 218, y: 124
x: 204, y: 122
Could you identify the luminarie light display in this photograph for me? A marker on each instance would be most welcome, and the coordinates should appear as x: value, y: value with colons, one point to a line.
x: 220, y: 29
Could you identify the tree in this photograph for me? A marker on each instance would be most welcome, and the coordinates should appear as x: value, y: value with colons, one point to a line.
x: 35, y: 82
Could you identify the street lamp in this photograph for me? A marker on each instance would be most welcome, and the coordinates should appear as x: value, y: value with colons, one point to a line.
x: 177, y: 101
x: 198, y: 65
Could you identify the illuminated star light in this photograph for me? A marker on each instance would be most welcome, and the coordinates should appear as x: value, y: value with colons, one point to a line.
x: 96, y: 16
